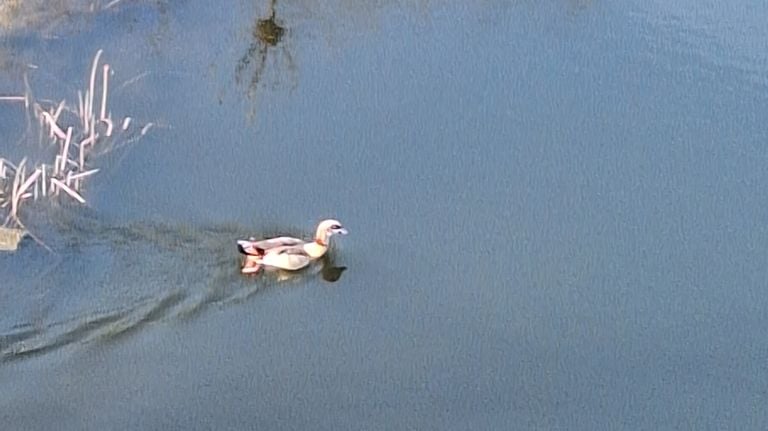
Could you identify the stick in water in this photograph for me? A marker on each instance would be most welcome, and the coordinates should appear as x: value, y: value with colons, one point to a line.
x: 104, y: 92
x: 89, y: 111
x: 69, y: 191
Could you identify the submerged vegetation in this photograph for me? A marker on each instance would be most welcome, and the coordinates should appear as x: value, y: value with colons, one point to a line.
x: 72, y: 136
x: 267, y: 34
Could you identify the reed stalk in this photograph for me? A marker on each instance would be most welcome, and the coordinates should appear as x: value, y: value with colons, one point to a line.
x: 72, y: 131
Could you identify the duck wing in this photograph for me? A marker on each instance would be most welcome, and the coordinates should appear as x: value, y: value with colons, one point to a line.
x: 295, y: 249
x: 281, y: 241
x: 258, y: 248
x: 289, y: 257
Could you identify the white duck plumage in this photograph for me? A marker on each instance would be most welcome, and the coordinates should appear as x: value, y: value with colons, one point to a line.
x: 286, y: 252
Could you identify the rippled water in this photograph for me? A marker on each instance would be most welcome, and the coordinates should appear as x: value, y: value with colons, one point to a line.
x: 556, y: 214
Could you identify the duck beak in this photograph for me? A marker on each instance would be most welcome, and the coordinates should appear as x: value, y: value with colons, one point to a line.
x: 342, y: 231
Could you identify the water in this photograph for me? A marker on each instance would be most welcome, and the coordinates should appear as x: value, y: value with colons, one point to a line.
x: 556, y: 214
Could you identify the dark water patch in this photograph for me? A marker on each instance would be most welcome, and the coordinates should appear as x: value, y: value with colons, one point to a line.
x: 138, y: 317
x: 17, y: 334
x: 58, y: 334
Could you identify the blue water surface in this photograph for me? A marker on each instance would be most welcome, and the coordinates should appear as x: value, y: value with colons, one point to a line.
x: 556, y: 209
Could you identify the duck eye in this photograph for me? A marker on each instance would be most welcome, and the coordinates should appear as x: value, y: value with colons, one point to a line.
x: 334, y: 227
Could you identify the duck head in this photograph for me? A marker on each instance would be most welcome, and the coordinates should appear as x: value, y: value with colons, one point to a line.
x: 328, y: 228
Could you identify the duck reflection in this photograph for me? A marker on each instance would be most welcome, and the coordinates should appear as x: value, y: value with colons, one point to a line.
x: 332, y: 274
x: 267, y: 37
x: 328, y: 270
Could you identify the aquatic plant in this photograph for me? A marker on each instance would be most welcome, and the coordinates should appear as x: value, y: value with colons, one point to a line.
x: 73, y: 136
x: 267, y: 37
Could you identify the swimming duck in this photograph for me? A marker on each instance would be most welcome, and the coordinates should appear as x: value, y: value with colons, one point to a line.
x: 286, y: 252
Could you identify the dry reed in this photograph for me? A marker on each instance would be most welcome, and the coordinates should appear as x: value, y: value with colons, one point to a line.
x: 75, y: 135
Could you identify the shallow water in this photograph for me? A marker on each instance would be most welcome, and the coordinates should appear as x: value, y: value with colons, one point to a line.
x: 556, y: 214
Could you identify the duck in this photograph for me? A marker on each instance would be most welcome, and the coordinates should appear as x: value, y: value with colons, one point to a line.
x: 288, y: 253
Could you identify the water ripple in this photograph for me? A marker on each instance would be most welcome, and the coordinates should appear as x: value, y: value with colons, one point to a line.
x: 111, y: 280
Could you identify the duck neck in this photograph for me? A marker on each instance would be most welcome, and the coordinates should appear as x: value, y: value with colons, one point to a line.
x: 316, y: 249
x: 321, y: 237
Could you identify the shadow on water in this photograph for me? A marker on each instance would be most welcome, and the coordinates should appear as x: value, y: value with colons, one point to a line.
x: 135, y: 274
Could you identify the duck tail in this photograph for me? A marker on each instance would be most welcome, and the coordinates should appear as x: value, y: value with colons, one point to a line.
x: 250, y: 265
x: 249, y: 248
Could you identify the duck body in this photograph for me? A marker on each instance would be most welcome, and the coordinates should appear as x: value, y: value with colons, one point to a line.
x: 287, y: 252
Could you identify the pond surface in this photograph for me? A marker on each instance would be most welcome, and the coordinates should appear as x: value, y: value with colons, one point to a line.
x: 557, y: 215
